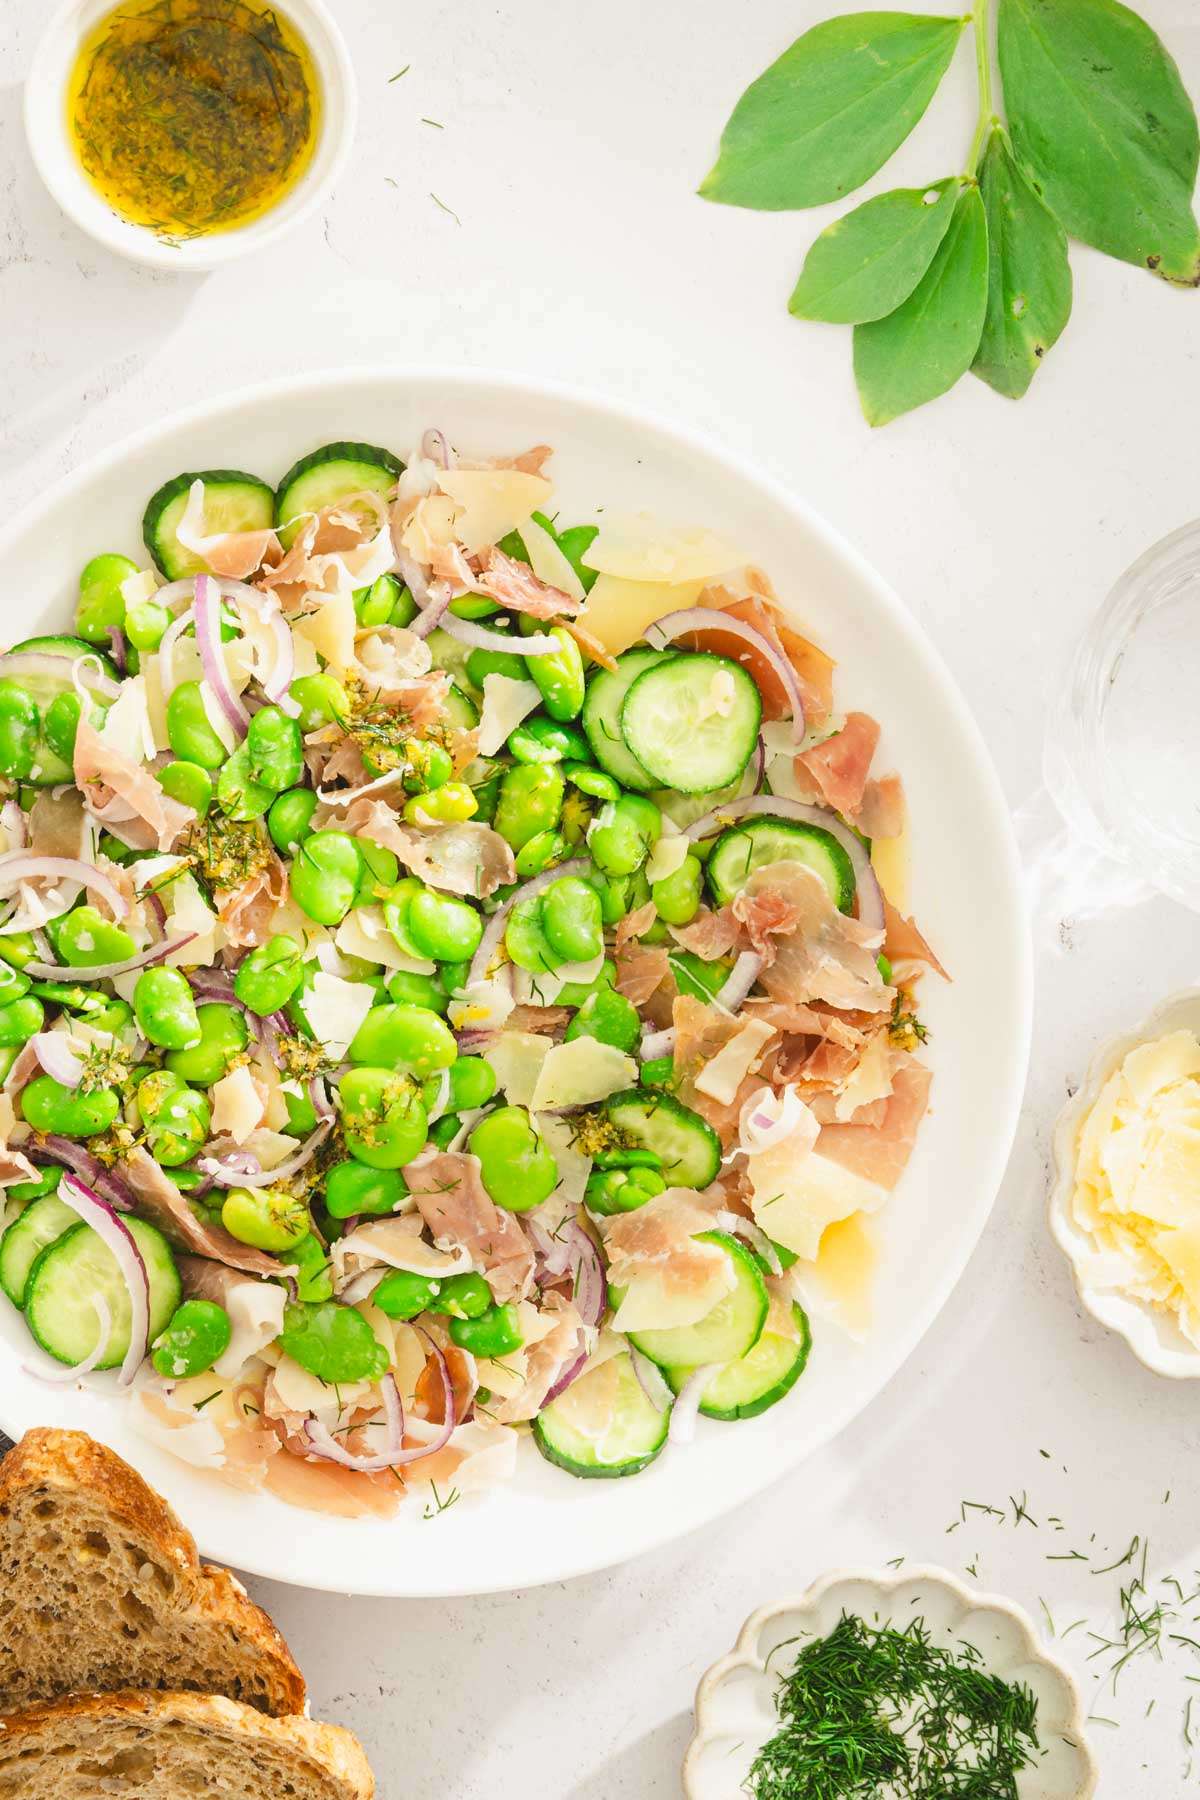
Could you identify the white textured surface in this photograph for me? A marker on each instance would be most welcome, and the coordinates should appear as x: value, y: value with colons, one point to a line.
x: 573, y: 138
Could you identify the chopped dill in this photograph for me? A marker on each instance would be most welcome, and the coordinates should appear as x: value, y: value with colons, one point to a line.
x: 905, y: 1028
x: 399, y: 73
x: 873, y: 1709
x: 445, y: 208
x: 439, y: 1505
x: 225, y: 852
x: 199, y: 1405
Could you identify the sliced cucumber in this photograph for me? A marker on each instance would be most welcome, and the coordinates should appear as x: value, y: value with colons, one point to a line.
x: 22, y: 1244
x: 755, y: 843
x: 693, y: 722
x: 458, y: 709
x: 727, y: 1333
x: 60, y: 645
x: 758, y: 1380
x: 50, y: 768
x: 601, y: 717
x: 233, y: 501
x: 689, y: 1147
x: 701, y: 980
x: 449, y: 654
x: 77, y: 1267
x: 328, y: 475
x: 590, y: 1434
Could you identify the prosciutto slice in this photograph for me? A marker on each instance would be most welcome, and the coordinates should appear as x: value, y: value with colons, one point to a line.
x: 879, y: 1151
x: 161, y: 1202
x: 515, y: 585
x: 103, y: 772
x: 247, y: 910
x: 827, y: 956
x: 451, y: 1198
x: 839, y: 766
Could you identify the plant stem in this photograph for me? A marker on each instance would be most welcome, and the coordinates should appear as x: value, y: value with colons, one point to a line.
x: 981, y: 19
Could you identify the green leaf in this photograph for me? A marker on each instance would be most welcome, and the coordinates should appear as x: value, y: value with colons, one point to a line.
x: 1100, y: 116
x: 822, y: 119
x: 863, y: 266
x: 1029, y: 276
x: 921, y: 349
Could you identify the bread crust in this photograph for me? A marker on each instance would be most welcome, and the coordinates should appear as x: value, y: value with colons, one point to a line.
x: 327, y: 1750
x: 69, y: 1463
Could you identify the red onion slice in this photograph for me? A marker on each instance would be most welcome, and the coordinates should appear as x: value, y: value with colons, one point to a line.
x: 70, y: 1155
x: 432, y: 614
x: 869, y: 893
x: 651, y: 1380
x: 570, y: 1372
x: 740, y: 980
x: 100, y: 1349
x: 322, y: 1442
x: 708, y: 618
x: 553, y: 1253
x: 411, y: 573
x: 435, y: 447
x: 23, y: 865
x: 168, y: 680
x: 478, y: 637
x: 118, y: 1238
x: 57, y: 1057
x: 61, y: 668
x: 686, y: 1409
x: 656, y: 1044
x: 211, y: 984
x: 591, y: 1283
x: 225, y: 1175
x: 493, y: 934
x: 277, y: 679
x: 103, y: 971
x: 207, y: 614
x: 13, y: 821
x: 754, y: 1235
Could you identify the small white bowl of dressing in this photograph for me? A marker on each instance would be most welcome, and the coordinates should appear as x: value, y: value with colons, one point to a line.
x: 78, y: 108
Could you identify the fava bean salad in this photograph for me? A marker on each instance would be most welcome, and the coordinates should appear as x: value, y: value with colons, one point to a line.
x: 453, y: 981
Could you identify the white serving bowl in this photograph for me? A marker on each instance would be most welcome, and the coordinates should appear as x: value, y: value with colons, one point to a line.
x: 1153, y: 1336
x: 735, y: 1702
x: 547, y: 1526
x: 59, y: 167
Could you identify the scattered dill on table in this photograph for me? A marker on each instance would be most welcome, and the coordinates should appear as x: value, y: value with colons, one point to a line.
x: 872, y: 1710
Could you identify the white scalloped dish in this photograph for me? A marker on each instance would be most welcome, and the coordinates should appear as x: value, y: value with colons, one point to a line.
x: 735, y: 1702
x: 1153, y: 1336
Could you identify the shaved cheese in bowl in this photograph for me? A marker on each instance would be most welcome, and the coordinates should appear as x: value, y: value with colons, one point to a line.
x: 580, y: 1073
x: 493, y: 502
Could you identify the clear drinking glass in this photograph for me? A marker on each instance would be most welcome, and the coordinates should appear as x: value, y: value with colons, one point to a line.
x: 1123, y: 744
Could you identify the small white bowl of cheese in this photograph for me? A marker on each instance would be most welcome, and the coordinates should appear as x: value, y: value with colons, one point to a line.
x: 1125, y: 1204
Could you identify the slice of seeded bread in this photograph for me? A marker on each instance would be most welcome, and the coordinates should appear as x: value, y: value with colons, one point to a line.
x: 101, y: 1589
x: 175, y: 1747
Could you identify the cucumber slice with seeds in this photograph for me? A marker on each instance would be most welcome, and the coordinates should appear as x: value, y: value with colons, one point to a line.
x: 689, y: 1147
x: 78, y: 1266
x: 603, y: 1426
x: 328, y: 475
x: 233, y: 501
x: 601, y: 717
x: 755, y: 843
x: 40, y: 1224
x: 758, y: 1380
x: 60, y: 644
x: 459, y: 709
x: 727, y: 1333
x: 693, y: 722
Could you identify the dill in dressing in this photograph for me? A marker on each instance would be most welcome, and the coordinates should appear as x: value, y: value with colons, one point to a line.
x: 193, y: 116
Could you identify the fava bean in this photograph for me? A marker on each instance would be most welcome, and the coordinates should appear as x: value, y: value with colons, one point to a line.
x: 526, y: 942
x: 223, y: 1036
x: 453, y: 976
x: 351, y: 1188
x: 541, y: 852
x: 403, y: 1295
x: 289, y: 819
x: 322, y: 700
x: 410, y: 1038
x: 481, y: 663
x: 43, y: 1183
x: 540, y: 739
x: 516, y: 1168
x: 275, y: 749
x: 559, y: 676
x: 659, y: 1071
x: 20, y: 727
x: 448, y: 804
x: 270, y: 975
x: 199, y: 1334
x: 111, y: 1015
x: 188, y: 783
x: 612, y: 1191
x: 189, y: 729
x: 101, y: 604
x: 677, y: 897
x: 472, y: 1083
x: 60, y: 724
x: 446, y: 929
x: 623, y: 833
x: 384, y: 1122
x: 620, y: 894
x: 314, y: 1273
x: 429, y: 765
x: 85, y: 938
x: 487, y: 795
x: 50, y: 1107
x: 301, y: 1114
x: 13, y: 984
x: 408, y: 989
x: 574, y: 543
x: 17, y: 948
x: 177, y: 1126
x: 609, y: 1018
x: 572, y: 919
x: 20, y: 1019
x: 531, y: 797
x: 380, y: 872
x: 466, y: 1296
x: 326, y: 872
x: 443, y: 1131
x: 146, y: 625
x: 266, y: 1218
x: 591, y: 781
x: 238, y: 794
x: 496, y: 1333
x: 165, y: 1008
x: 374, y: 605
x: 333, y: 1342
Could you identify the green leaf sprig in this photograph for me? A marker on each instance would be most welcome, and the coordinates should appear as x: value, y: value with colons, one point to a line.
x: 1098, y: 142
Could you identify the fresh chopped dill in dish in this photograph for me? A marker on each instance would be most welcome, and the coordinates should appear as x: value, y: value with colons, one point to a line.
x: 871, y: 1712
x: 453, y: 983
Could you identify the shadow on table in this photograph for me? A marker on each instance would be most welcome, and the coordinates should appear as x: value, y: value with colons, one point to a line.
x: 88, y: 319
x: 648, y: 1766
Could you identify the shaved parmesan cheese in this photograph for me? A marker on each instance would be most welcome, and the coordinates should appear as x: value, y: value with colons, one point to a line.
x: 156, y: 705
x: 795, y: 1199
x: 618, y: 611
x: 188, y: 910
x: 330, y: 631
x: 481, y: 1006
x: 891, y: 861
x: 136, y: 589
x: 127, y: 728
x: 573, y: 1170
x: 723, y: 1075
x: 666, y: 1272
x: 516, y: 1060
x: 870, y: 1079
x: 237, y: 1105
x: 271, y: 1147
x: 581, y: 1072
x: 668, y: 855
x: 363, y: 933
x: 657, y: 1299
x: 394, y: 1243
x: 298, y: 1391
x: 838, y: 1285
x: 505, y: 703
x: 493, y: 502
x: 542, y: 987
x: 255, y: 1311
x: 429, y: 528
x: 639, y: 547
x: 335, y: 1009
x: 548, y: 562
